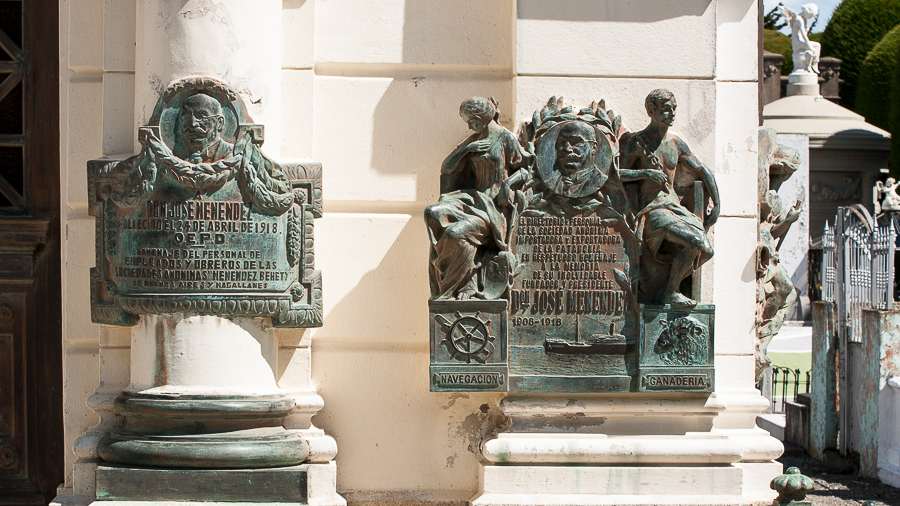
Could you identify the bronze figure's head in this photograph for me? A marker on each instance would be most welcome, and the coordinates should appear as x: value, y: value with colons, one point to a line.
x: 201, y: 123
x: 576, y: 147
x: 660, y: 105
x: 478, y: 113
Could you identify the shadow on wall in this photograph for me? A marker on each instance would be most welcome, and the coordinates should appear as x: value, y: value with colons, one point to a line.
x: 416, y: 121
x: 417, y: 124
x: 458, y: 32
x: 381, y: 377
x: 735, y: 12
x: 379, y: 304
x: 387, y: 395
x: 610, y: 10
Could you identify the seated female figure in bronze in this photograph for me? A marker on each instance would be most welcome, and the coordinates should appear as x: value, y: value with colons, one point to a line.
x: 469, y: 226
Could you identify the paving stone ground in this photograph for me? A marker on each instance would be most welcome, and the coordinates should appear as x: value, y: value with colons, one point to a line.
x: 836, y: 482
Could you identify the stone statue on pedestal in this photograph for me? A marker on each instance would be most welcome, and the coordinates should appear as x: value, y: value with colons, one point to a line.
x: 890, y: 200
x: 806, y: 52
x: 675, y: 241
x: 776, y: 293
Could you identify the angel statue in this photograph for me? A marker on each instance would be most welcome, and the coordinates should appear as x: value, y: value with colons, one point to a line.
x: 470, y: 225
x: 888, y: 190
x: 806, y: 52
x: 776, y: 294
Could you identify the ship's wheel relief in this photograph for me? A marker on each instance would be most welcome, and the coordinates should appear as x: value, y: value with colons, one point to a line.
x: 468, y: 338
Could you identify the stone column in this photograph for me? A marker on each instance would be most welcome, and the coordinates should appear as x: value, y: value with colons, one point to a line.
x: 830, y: 77
x: 204, y: 380
x: 771, y: 76
x: 233, y: 41
x: 203, y: 417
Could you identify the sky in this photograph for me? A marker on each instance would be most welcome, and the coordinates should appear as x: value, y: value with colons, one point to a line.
x: 826, y: 7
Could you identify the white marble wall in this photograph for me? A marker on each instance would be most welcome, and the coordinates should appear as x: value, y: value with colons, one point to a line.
x: 373, y: 92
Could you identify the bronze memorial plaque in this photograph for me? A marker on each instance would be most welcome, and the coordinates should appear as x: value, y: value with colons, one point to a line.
x: 201, y: 221
x: 574, y: 236
x: 568, y: 312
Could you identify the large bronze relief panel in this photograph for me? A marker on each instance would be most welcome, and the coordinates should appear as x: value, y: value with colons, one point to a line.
x: 572, y: 234
x: 201, y: 221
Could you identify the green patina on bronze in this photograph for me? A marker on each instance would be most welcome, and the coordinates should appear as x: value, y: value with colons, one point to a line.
x: 792, y: 488
x: 282, y: 485
x: 677, y: 349
x: 578, y: 229
x: 466, y: 338
x: 201, y: 221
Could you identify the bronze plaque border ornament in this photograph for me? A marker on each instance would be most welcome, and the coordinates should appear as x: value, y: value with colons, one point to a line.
x: 201, y: 221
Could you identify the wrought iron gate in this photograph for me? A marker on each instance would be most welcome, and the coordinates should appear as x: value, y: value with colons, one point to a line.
x: 857, y: 272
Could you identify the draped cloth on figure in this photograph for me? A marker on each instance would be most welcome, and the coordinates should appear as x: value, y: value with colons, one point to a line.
x: 664, y: 212
x: 452, y: 255
x: 465, y: 223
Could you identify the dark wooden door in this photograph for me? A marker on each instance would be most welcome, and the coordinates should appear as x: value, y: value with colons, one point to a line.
x: 31, y: 432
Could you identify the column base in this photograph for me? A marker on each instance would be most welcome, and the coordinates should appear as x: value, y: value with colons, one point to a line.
x: 310, y: 484
x: 243, y: 449
x: 645, y: 457
x: 614, y: 500
x: 121, y: 483
x: 614, y: 485
x: 172, y: 429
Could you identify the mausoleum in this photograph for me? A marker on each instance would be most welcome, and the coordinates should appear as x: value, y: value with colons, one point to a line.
x: 395, y: 252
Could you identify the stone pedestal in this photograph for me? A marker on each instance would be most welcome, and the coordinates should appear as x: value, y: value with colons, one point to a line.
x: 803, y: 83
x: 203, y: 420
x: 771, y: 88
x: 202, y: 396
x: 830, y: 76
x: 593, y: 451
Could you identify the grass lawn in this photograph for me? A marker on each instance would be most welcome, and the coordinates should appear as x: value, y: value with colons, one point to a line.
x: 802, y: 361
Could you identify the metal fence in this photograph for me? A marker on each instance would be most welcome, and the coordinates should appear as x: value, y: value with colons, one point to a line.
x: 827, y: 278
x: 782, y: 380
x: 857, y: 272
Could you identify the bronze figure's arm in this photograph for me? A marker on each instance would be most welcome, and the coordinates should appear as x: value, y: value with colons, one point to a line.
x: 451, y: 165
x: 692, y: 163
x: 783, y: 225
x: 633, y: 153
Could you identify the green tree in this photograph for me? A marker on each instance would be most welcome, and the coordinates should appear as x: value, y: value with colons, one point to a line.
x: 894, y: 118
x: 875, y: 95
x: 774, y: 20
x: 855, y: 28
x: 777, y: 42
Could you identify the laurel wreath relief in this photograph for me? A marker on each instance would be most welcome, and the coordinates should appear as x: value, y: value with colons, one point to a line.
x: 260, y: 180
